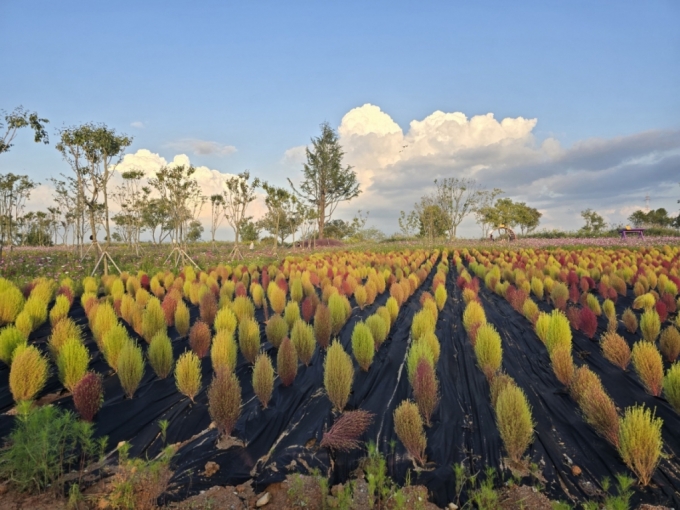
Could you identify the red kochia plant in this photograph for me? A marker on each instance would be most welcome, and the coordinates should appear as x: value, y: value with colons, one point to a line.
x: 574, y: 316
x: 584, y: 284
x: 344, y: 434
x: 308, y: 308
x: 65, y: 290
x: 588, y: 322
x: 574, y: 293
x: 208, y: 308
x: 322, y: 325
x: 199, y: 338
x: 169, y: 305
x: 669, y: 300
x: 145, y: 281
x: 426, y: 389
x: 224, y: 400
x: 662, y: 310
x: 88, y: 396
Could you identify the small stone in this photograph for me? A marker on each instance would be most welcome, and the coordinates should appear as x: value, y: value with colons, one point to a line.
x: 264, y: 499
x: 575, y: 470
x: 453, y: 506
x: 211, y: 468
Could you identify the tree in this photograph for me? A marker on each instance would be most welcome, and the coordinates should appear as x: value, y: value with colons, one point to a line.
x: 132, y: 197
x: 484, y: 205
x: 65, y: 196
x: 250, y: 230
x: 156, y: 215
x: 594, y: 222
x: 216, y: 214
x: 326, y: 182
x: 92, y: 150
x: 182, y: 195
x: 194, y: 231
x: 15, y: 190
x: 19, y: 119
x: 432, y: 220
x: 238, y: 195
x: 456, y: 198
x: 408, y: 223
x: 527, y: 218
x: 657, y: 218
x: 277, y: 201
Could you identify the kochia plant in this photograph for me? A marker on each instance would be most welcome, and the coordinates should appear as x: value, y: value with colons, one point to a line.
x: 615, y: 349
x: 276, y: 329
x: 488, y: 350
x: 72, y: 363
x: 338, y: 375
x: 224, y: 400
x: 249, y: 339
x: 130, y: 367
x: 323, y: 325
x: 426, y: 389
x: 649, y: 366
x: 302, y: 336
x: 650, y: 325
x: 378, y: 328
x: 199, y: 338
x: 671, y: 386
x: 409, y: 428
x: 640, y: 442
x: 88, y: 396
x: 182, y: 319
x: 28, y: 374
x: 263, y: 379
x: 224, y: 351
x: 629, y: 320
x: 344, y: 435
x: 513, y: 416
x: 10, y: 339
x: 287, y: 362
x: 160, y: 354
x: 670, y: 343
x: 188, y: 374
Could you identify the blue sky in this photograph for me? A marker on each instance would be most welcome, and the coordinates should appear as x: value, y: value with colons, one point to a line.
x: 261, y: 77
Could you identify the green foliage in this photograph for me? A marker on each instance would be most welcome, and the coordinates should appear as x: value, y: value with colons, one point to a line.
x: 379, y: 329
x: 224, y: 351
x: 243, y: 308
x: 160, y: 354
x: 11, y: 303
x: 488, y: 350
x: 671, y: 386
x: 649, y: 366
x: 28, y: 374
x: 640, y: 442
x: 153, y: 319
x: 338, y: 313
x: 559, y: 332
x: 60, y: 309
x: 114, y: 341
x: 249, y: 339
x: 650, y: 325
x: 323, y: 325
x: 423, y: 322
x: 363, y: 346
x: 287, y: 362
x: 188, y: 374
x: 408, y: 425
x: 130, y: 367
x: 72, y: 363
x: 418, y: 351
x: 61, y: 332
x: 45, y: 444
x: 182, y: 318
x: 302, y: 336
x: 225, y: 320
x: 10, y: 339
x: 292, y: 314
x: 338, y: 375
x: 263, y: 379
x: 513, y: 416
x: 276, y: 330
x: 393, y: 308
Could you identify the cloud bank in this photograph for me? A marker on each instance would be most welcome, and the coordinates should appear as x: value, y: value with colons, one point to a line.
x: 395, y: 167
x: 201, y: 147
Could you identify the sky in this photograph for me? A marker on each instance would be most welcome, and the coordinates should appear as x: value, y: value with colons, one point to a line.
x: 563, y: 105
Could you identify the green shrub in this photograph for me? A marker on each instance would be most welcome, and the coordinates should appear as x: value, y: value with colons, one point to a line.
x: 650, y: 325
x: 72, y: 363
x: 224, y: 351
x: 160, y: 354
x: 263, y: 379
x: 105, y: 318
x: 323, y: 325
x: 225, y: 320
x: 670, y: 343
x: 45, y: 444
x: 418, y: 351
x: 363, y: 346
x: 60, y: 310
x: 182, y: 319
x: 537, y: 287
x: 11, y: 303
x: 28, y: 374
x: 594, y: 305
x: 336, y: 306
x: 249, y: 339
x: 409, y: 428
x: 61, y: 332
x: 542, y: 325
x: 640, y: 442
x: 90, y: 284
x: 600, y: 412
x: 153, y: 319
x: 114, y: 341
x: 530, y: 310
x: 430, y: 339
x: 130, y: 367
x: 24, y: 323
x: 513, y: 416
x: 188, y: 374
x: 488, y: 350
x: 338, y: 375
x: 10, y: 339
x: 276, y: 330
x: 559, y: 332
x: 649, y: 366
x: 609, y: 309
x: 385, y: 314
x: 392, y: 306
x: 671, y: 386
x: 378, y: 328
x: 302, y: 336
x: 277, y: 298
x: 423, y: 322
x: 440, y: 297
x: 36, y: 308
x: 243, y: 308
x: 562, y: 364
x: 360, y: 296
x: 473, y: 318
x: 287, y: 362
x: 498, y: 384
x: 224, y: 400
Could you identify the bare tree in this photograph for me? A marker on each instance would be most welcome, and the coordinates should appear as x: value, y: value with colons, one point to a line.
x: 238, y: 196
x: 457, y: 198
